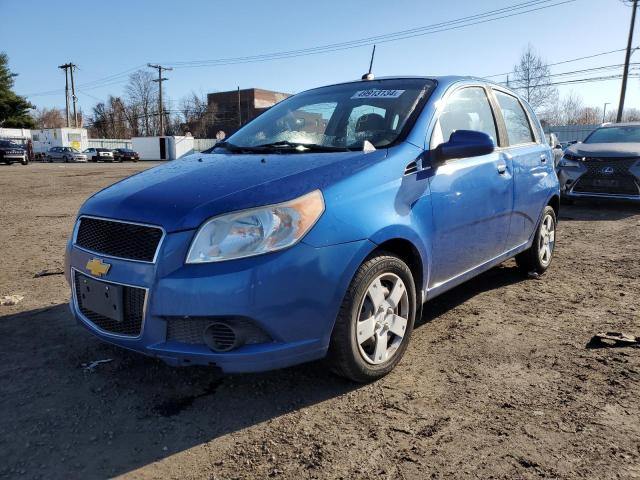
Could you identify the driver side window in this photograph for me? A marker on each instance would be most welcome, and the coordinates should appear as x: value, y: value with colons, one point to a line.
x: 467, y: 109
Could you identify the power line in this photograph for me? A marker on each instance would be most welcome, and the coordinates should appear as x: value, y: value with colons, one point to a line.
x: 476, y: 19
x: 571, y: 60
x: 391, y: 37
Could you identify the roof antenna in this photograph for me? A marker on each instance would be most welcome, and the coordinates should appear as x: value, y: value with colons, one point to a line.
x: 369, y: 75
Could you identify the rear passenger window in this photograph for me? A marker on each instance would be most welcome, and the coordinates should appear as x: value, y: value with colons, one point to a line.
x: 515, y: 119
x: 467, y: 109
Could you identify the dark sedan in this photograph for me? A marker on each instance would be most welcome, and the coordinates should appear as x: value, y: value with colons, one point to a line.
x: 125, y: 154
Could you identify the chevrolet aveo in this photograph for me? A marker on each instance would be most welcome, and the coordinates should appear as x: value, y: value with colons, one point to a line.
x: 319, y: 229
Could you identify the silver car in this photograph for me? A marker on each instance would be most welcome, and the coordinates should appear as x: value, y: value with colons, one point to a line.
x: 605, y: 165
x: 65, y: 154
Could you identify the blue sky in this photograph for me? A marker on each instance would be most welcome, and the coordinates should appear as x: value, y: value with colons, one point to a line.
x: 107, y: 38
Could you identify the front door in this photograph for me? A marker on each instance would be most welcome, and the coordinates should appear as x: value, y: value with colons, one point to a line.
x: 472, y: 198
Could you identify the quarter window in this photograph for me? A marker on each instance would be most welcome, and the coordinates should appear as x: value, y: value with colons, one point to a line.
x: 467, y: 109
x: 515, y: 119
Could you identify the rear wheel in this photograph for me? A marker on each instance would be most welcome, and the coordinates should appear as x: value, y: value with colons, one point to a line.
x: 375, y: 321
x: 538, y: 257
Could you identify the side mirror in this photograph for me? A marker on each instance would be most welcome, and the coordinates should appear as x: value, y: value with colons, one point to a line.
x: 463, y: 144
x: 558, y: 146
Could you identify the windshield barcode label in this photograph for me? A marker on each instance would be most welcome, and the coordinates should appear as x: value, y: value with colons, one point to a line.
x: 378, y: 94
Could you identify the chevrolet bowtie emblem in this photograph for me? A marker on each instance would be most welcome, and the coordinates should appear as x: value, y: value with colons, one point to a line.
x: 97, y: 267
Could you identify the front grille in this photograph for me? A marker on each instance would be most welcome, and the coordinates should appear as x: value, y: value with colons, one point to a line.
x: 191, y: 330
x: 118, y: 239
x: 608, y: 176
x: 133, y: 311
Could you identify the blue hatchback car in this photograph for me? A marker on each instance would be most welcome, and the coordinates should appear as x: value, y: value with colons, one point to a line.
x: 319, y: 229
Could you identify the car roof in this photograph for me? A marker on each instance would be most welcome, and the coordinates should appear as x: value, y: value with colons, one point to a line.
x: 622, y: 124
x: 440, y: 79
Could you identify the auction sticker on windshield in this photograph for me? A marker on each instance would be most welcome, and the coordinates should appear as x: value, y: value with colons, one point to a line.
x: 378, y: 94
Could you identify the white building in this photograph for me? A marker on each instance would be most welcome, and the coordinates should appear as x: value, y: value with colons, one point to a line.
x: 162, y: 148
x: 46, y: 138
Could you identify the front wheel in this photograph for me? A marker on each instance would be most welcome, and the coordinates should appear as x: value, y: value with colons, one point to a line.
x: 538, y: 257
x: 375, y: 320
x: 24, y: 161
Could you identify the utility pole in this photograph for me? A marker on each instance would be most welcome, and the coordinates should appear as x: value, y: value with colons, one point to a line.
x: 604, y: 111
x: 65, y: 67
x: 160, y: 79
x: 72, y: 67
x: 239, y: 111
x: 625, y: 75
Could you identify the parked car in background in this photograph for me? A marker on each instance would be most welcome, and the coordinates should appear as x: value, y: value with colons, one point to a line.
x: 65, y: 154
x: 99, y: 154
x: 11, y: 152
x: 125, y: 154
x: 319, y: 228
x: 556, y: 147
x: 605, y: 165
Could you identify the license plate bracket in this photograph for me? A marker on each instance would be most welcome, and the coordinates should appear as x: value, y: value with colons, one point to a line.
x: 605, y: 182
x: 100, y: 297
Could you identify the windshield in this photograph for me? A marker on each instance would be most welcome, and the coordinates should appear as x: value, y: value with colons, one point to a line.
x: 338, y: 117
x: 8, y: 144
x: 626, y: 134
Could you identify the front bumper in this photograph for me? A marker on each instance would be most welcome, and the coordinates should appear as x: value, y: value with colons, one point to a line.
x: 13, y: 157
x: 293, y: 295
x: 569, y: 178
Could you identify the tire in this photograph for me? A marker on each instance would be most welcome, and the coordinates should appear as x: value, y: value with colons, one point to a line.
x: 351, y: 354
x: 24, y: 161
x: 535, y: 259
x: 49, y: 159
x: 66, y: 159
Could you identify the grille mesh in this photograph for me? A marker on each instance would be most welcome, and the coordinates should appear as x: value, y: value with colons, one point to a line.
x: 623, y: 181
x: 133, y: 314
x: 117, y: 239
x: 191, y: 330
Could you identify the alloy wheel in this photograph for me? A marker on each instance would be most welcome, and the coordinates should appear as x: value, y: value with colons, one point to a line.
x: 547, y: 240
x: 382, y: 320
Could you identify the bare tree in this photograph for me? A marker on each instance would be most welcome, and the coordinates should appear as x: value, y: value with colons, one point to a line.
x: 571, y: 107
x: 49, y: 118
x: 197, y: 116
x: 532, y: 79
x: 142, y: 92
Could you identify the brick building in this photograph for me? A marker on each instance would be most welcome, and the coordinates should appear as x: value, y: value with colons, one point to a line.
x: 253, y: 101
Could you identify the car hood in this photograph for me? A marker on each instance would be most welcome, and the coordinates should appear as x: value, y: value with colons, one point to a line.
x: 605, y: 150
x: 181, y: 194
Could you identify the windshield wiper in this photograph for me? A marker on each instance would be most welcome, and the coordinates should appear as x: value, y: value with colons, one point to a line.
x: 300, y: 147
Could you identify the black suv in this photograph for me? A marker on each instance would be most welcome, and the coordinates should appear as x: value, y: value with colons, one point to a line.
x: 12, y: 153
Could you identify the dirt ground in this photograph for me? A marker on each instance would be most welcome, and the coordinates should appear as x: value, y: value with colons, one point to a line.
x: 497, y: 382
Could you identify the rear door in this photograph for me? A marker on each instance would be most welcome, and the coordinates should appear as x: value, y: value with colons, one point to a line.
x: 472, y: 198
x: 532, y: 162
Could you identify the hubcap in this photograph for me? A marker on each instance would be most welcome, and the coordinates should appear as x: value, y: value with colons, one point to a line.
x: 382, y: 319
x: 547, y: 240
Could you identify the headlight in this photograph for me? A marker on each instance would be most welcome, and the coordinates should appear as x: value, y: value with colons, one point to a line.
x: 569, y: 160
x: 256, y: 231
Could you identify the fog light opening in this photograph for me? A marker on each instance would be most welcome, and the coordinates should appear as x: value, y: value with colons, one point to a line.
x: 220, y: 337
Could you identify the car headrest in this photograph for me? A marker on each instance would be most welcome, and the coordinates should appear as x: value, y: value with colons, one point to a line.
x: 370, y: 122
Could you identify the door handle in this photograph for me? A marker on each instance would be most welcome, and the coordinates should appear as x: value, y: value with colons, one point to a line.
x: 502, y: 168
x: 543, y: 158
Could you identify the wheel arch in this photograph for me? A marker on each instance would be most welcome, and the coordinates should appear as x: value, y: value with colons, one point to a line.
x: 554, y: 202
